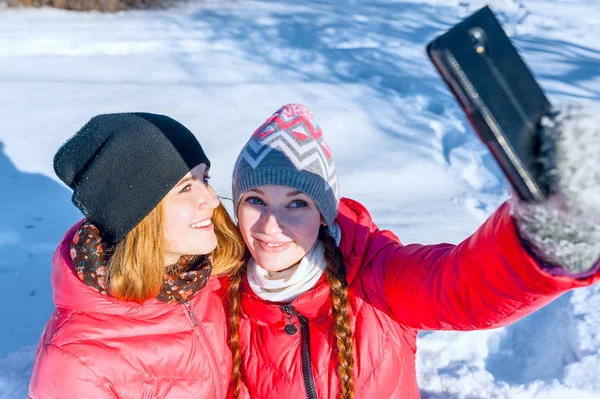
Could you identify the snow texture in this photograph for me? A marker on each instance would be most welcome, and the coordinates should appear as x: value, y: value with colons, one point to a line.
x: 401, y: 143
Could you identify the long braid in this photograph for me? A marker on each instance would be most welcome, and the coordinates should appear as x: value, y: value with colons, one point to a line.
x: 336, y: 276
x: 233, y: 294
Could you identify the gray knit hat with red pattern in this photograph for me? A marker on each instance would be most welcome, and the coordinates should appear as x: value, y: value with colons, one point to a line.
x: 289, y: 150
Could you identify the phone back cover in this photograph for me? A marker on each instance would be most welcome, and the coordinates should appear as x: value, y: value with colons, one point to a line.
x: 498, y: 92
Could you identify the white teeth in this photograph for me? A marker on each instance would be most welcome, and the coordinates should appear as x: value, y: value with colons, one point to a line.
x: 273, y: 245
x: 204, y: 223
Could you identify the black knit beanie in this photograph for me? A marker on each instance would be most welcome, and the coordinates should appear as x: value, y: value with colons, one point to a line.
x: 120, y: 166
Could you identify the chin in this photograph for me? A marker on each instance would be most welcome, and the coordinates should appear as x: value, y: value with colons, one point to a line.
x: 204, y: 249
x: 207, y: 249
x: 275, y: 266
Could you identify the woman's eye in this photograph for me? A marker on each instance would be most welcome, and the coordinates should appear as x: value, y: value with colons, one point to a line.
x: 206, y: 179
x: 298, y: 204
x: 254, y: 201
x: 186, y: 188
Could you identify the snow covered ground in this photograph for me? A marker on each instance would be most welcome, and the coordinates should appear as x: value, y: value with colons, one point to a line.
x: 401, y: 144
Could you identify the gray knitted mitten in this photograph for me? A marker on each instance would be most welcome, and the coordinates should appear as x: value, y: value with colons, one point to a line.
x: 565, y: 229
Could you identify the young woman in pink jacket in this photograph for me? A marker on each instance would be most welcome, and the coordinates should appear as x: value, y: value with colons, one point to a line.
x: 329, y: 306
x: 138, y: 314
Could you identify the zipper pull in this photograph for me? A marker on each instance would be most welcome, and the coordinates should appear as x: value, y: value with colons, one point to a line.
x: 191, y: 313
x: 290, y: 328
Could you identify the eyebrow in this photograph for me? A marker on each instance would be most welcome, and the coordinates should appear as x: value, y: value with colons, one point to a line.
x: 185, y: 180
x: 191, y: 178
x: 290, y: 194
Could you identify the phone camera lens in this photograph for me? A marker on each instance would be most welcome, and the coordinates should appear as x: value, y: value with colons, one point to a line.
x: 478, y: 40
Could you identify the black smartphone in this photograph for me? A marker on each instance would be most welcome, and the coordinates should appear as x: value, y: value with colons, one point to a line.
x: 499, y: 95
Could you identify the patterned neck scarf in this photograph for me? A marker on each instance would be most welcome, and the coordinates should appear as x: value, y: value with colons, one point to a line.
x: 89, y: 260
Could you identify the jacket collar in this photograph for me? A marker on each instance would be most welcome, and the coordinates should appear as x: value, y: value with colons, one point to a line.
x: 71, y: 293
x: 315, y: 304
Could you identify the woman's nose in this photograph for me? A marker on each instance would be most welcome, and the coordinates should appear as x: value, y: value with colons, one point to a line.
x: 208, y: 198
x: 270, y: 224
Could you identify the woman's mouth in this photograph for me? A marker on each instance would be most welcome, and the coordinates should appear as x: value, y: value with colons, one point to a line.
x: 201, y: 225
x: 273, y: 246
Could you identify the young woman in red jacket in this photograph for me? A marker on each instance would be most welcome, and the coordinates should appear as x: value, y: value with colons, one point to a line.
x: 137, y: 312
x: 329, y: 306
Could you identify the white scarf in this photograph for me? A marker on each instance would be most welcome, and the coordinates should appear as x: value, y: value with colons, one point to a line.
x: 306, y: 275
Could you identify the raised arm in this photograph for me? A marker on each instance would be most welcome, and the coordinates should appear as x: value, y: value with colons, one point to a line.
x: 489, y: 280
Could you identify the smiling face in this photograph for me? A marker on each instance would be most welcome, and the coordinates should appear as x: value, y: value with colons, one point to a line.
x: 279, y: 224
x: 187, y: 210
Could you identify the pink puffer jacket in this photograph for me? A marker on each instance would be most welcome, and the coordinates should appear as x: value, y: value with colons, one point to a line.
x: 96, y: 347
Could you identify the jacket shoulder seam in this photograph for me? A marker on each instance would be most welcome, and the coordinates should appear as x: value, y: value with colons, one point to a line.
x: 48, y: 340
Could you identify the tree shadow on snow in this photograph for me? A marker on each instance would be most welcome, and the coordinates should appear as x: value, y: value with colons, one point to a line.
x: 370, y: 43
x: 378, y: 44
x: 381, y: 45
x: 578, y: 66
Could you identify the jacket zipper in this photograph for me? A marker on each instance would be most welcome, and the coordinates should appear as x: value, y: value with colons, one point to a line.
x: 191, y: 314
x: 202, y: 335
x: 309, y: 382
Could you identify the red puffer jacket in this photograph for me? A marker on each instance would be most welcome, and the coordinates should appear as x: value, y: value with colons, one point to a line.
x: 96, y: 347
x: 487, y: 281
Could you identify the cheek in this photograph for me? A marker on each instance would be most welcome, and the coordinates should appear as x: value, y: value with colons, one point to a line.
x: 309, y: 235
x: 247, y: 218
x: 306, y: 228
x: 177, y: 217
